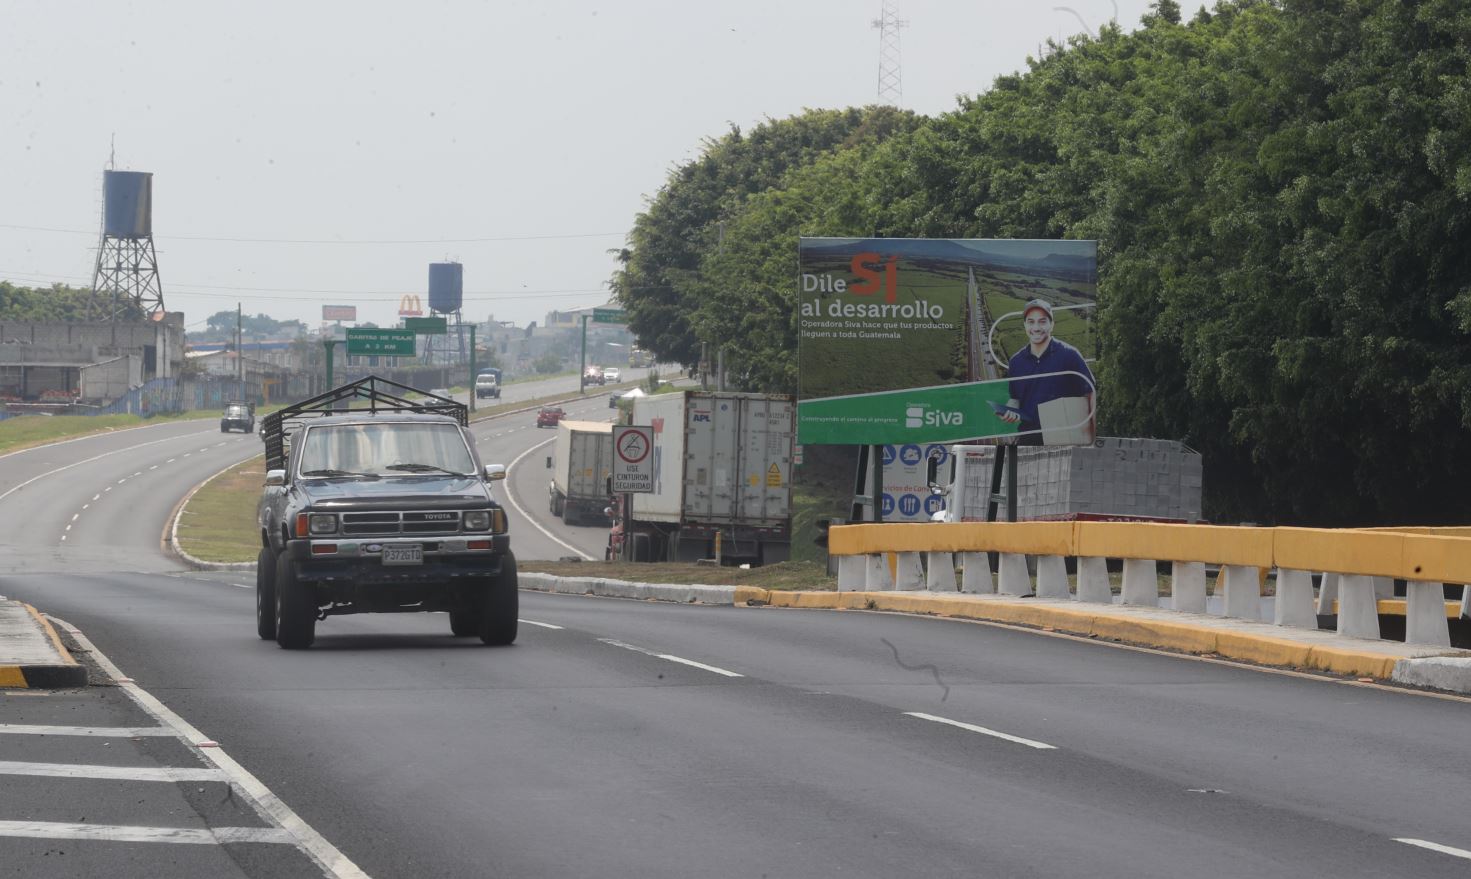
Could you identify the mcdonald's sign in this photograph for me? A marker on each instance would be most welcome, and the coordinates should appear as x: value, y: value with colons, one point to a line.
x: 411, y: 306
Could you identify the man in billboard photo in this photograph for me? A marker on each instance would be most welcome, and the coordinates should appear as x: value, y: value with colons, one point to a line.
x: 1060, y: 405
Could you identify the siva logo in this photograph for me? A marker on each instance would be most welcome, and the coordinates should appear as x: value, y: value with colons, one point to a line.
x: 916, y: 417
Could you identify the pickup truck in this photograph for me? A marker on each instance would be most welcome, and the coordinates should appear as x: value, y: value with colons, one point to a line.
x: 487, y: 385
x: 380, y: 508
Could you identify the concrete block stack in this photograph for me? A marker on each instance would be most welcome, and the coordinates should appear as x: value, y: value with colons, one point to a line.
x: 1116, y: 476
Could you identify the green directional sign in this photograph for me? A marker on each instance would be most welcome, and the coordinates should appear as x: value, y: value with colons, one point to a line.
x: 609, y: 316
x: 947, y: 413
x: 426, y: 326
x: 389, y: 343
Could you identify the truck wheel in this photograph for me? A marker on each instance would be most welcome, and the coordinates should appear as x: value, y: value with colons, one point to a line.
x: 296, y: 607
x: 265, y: 594
x: 464, y: 623
x: 500, y: 605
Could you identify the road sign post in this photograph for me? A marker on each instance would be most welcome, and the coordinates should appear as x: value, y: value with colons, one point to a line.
x: 633, y: 459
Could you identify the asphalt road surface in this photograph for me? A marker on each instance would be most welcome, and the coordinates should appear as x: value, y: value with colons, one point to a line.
x: 621, y: 738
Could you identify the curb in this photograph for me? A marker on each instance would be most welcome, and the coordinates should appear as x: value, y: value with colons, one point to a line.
x: 64, y: 675
x: 719, y: 595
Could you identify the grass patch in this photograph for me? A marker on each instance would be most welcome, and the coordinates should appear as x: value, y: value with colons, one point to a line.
x: 219, y: 523
x: 786, y: 575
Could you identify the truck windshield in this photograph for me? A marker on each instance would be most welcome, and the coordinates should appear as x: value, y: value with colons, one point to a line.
x: 388, y: 449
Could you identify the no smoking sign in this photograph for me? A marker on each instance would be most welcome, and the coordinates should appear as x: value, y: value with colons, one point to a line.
x: 633, y: 459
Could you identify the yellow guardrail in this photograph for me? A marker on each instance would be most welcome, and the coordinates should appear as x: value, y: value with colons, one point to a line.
x: 1429, y: 554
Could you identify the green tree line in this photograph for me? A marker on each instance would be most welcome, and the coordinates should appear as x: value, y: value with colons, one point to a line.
x: 1280, y: 191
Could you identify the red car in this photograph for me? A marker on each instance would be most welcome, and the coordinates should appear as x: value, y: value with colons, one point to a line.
x: 549, y: 416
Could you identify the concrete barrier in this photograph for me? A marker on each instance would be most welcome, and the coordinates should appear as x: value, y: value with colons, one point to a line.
x: 939, y: 572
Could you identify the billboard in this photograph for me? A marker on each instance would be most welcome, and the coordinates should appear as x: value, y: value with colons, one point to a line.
x: 340, y: 312
x: 1012, y: 319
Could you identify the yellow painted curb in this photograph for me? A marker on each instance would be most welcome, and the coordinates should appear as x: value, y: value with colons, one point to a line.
x: 45, y: 624
x: 1182, y: 635
x: 12, y: 677
x: 747, y: 594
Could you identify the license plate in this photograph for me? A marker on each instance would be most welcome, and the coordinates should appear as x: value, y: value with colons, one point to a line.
x: 403, y: 555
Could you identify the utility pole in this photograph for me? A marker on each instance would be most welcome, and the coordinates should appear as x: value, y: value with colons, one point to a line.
x: 582, y: 366
x: 239, y: 355
x: 472, y: 368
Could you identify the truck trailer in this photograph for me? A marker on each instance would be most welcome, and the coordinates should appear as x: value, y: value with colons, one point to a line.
x: 581, y: 462
x: 722, y: 467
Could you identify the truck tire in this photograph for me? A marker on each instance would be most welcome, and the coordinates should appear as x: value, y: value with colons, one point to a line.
x: 296, y: 607
x: 500, y: 605
x: 464, y: 623
x: 265, y: 594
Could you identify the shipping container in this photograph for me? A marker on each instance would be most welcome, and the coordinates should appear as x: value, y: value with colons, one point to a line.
x: 581, y: 462
x: 722, y: 466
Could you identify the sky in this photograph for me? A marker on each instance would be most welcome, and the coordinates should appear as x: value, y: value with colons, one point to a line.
x: 314, y: 153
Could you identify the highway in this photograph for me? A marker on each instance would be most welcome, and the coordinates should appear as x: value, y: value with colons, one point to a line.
x: 636, y: 739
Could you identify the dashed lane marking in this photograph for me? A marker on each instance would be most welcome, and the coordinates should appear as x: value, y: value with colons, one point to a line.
x: 126, y: 833
x: 117, y: 773
x: 107, y: 732
x: 1436, y: 847
x: 543, y: 625
x: 1030, y: 743
x: 669, y: 657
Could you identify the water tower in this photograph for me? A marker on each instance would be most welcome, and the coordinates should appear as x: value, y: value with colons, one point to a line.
x: 446, y: 297
x: 127, y: 265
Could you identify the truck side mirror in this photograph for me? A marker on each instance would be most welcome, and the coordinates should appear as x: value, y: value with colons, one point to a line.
x: 494, y: 472
x: 932, y: 471
x: 549, y: 462
x: 610, y: 486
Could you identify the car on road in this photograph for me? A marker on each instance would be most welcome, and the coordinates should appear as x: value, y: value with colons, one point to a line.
x: 238, y: 416
x: 612, y: 374
x: 549, y: 416
x: 486, y: 385
x: 385, y: 509
x: 593, y: 375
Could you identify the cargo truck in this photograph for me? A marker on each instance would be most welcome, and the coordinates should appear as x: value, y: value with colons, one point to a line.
x: 722, y: 466
x: 581, y: 462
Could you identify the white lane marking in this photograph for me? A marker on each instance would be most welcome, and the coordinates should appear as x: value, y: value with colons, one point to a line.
x: 118, y: 773
x: 1041, y: 746
x: 187, y: 454
x: 76, y: 516
x: 333, y: 862
x: 84, y: 461
x: 205, y: 449
x: 511, y: 498
x: 670, y: 657
x: 97, y: 496
x: 535, y: 623
x: 68, y: 527
x: 139, y: 473
x: 63, y: 537
x: 171, y: 460
x: 106, y: 490
x: 154, y: 467
x: 1436, y: 847
x: 126, y: 833
x: 111, y: 732
x: 86, y: 506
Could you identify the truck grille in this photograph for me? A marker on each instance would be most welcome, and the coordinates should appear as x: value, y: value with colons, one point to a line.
x: 391, y: 523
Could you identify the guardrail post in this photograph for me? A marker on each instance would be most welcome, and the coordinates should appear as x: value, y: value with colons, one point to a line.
x: 908, y: 571
x: 1294, y: 604
x: 975, y: 574
x: 1052, y: 577
x: 1358, y: 607
x: 1465, y: 600
x: 1242, y: 587
x: 1425, y: 621
x: 1141, y: 583
x: 1093, y: 583
x: 1187, y: 586
x: 878, y: 578
x: 852, y: 573
x: 1014, y: 578
x: 939, y: 573
x: 1327, y: 593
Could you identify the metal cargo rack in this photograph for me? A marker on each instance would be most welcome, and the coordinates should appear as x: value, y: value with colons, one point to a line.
x: 380, y: 396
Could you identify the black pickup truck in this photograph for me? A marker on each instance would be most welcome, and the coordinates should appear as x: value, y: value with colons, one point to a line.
x: 376, y: 502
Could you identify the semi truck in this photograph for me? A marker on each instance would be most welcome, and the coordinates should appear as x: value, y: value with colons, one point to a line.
x: 581, y: 462
x: 722, y: 479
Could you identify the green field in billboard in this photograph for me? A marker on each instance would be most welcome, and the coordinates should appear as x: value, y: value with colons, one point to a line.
x: 880, y: 314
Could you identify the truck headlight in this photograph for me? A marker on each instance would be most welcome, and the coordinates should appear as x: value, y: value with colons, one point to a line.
x: 477, y: 520
x: 324, y: 523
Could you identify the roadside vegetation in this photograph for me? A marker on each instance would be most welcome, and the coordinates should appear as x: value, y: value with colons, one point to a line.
x: 1280, y: 191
